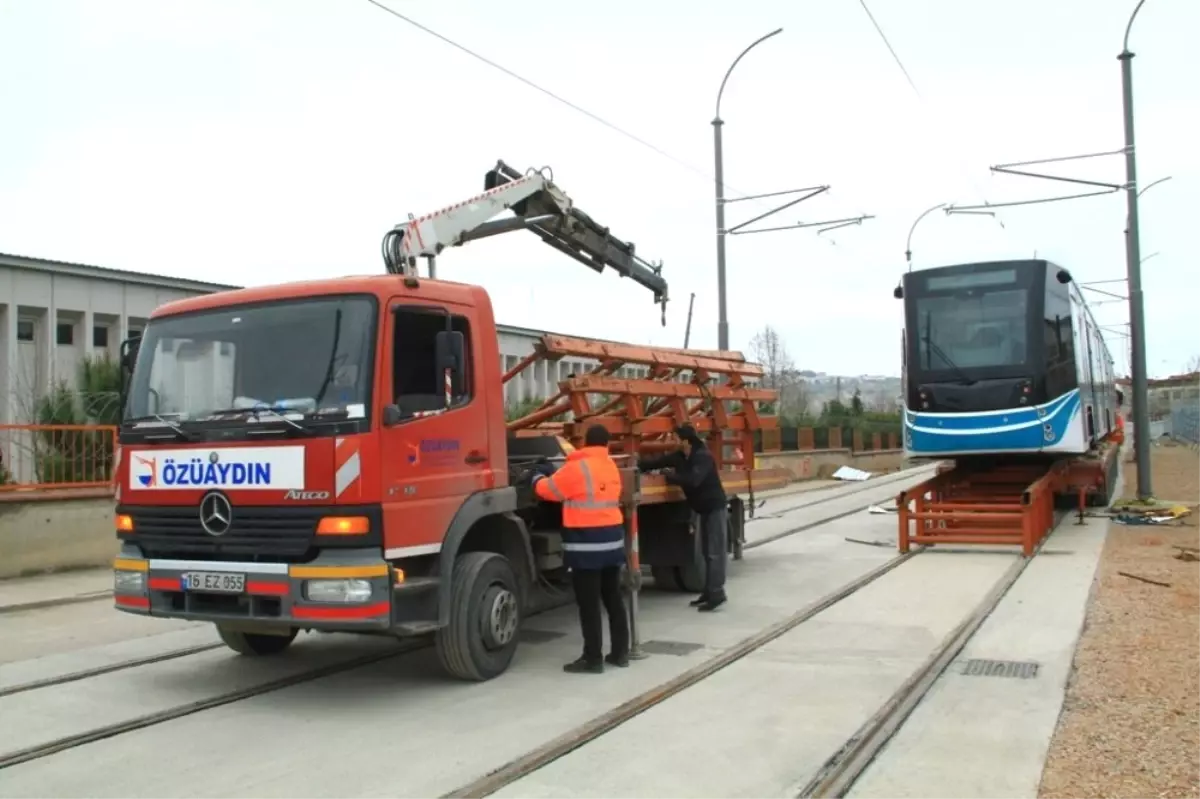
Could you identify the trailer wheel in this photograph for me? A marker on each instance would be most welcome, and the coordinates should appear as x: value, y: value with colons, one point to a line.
x: 485, y: 616
x: 737, y: 528
x: 255, y: 644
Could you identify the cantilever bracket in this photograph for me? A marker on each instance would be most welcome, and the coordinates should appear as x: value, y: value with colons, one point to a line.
x: 808, y: 193
x: 824, y: 225
x: 1009, y: 169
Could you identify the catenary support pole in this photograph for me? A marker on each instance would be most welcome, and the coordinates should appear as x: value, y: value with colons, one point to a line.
x: 1133, y: 258
x: 717, y: 123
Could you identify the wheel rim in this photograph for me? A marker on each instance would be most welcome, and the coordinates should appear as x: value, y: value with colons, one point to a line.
x: 501, y: 616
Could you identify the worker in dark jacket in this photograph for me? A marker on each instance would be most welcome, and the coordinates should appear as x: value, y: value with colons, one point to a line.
x: 694, y: 470
x: 589, y: 487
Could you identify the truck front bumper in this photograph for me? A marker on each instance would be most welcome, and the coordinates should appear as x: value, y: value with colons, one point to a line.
x: 340, y: 590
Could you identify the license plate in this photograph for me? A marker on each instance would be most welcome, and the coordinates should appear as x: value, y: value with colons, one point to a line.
x: 214, y: 582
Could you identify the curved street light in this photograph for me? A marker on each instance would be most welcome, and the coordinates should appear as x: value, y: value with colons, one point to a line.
x: 911, y: 230
x: 1152, y: 184
x: 722, y: 317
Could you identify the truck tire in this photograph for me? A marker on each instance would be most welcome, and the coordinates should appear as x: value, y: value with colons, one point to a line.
x: 485, y: 616
x: 664, y: 578
x: 255, y: 644
x: 691, y: 577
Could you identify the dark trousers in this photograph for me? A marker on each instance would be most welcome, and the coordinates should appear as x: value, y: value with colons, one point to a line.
x: 594, y: 588
x: 714, y: 529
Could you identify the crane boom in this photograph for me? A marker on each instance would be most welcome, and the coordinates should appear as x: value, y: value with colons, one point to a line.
x: 539, y: 206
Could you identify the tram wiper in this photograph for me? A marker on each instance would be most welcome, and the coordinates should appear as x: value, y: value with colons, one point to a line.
x: 931, y: 347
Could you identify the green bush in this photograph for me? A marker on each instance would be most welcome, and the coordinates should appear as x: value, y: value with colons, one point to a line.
x: 79, y: 456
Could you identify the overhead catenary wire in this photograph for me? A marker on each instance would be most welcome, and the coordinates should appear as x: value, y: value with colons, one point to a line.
x: 708, y: 176
x: 549, y: 93
x: 917, y: 91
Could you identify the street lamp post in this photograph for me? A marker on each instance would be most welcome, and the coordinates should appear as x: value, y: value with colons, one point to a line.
x: 722, y: 314
x: 1137, y: 319
x: 911, y: 230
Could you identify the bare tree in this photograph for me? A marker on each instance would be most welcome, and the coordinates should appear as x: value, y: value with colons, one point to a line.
x: 1192, y: 366
x: 769, y: 351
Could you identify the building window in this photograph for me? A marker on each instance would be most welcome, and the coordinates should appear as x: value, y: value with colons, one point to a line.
x: 24, y: 330
x: 65, y: 333
x: 100, y: 336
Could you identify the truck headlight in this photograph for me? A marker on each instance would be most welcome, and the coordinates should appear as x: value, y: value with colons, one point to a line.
x: 127, y: 582
x: 337, y: 590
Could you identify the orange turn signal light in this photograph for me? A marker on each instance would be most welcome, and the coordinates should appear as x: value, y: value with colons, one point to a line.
x: 344, y: 525
x: 124, y: 523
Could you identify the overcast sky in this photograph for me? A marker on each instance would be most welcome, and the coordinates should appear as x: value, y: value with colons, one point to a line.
x: 259, y: 141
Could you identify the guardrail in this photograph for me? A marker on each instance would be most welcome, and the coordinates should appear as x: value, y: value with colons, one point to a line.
x: 35, y: 457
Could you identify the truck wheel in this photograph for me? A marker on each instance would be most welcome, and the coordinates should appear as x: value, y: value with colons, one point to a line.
x: 690, y: 577
x: 664, y: 578
x: 485, y: 616
x: 255, y: 644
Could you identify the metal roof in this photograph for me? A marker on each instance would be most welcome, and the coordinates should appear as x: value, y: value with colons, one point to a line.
x: 106, y: 273
x: 165, y: 281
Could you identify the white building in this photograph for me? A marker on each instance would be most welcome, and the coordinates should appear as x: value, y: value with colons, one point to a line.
x: 53, y: 314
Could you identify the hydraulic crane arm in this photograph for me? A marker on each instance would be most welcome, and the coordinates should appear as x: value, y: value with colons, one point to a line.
x: 539, y: 206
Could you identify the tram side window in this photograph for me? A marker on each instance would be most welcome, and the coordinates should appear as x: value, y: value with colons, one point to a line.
x: 1059, y: 344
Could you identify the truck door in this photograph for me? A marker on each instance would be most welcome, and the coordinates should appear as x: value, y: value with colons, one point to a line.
x: 434, y: 451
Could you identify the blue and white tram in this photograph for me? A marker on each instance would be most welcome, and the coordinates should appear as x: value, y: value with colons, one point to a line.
x: 1002, y: 358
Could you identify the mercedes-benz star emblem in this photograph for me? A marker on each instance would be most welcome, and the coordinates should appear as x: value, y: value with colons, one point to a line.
x: 216, y: 514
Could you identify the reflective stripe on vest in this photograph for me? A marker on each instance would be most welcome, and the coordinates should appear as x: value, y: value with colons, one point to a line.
x: 604, y: 546
x: 554, y: 489
x: 589, y: 510
x: 589, y: 502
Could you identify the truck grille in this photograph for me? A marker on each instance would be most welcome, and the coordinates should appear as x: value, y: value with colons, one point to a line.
x: 256, y: 533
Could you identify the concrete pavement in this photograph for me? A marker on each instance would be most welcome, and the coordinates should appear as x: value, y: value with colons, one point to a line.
x: 399, y: 727
x: 985, y: 736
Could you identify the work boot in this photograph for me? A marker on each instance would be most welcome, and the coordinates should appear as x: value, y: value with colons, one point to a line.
x: 698, y: 601
x: 712, y: 604
x: 621, y: 661
x: 584, y: 666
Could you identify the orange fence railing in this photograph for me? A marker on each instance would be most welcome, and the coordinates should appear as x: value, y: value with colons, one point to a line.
x: 56, y: 456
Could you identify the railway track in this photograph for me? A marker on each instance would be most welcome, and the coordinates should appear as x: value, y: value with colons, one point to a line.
x: 67, y: 742
x: 837, y: 775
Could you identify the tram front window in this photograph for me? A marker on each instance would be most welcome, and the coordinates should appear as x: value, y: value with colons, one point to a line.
x: 972, y: 329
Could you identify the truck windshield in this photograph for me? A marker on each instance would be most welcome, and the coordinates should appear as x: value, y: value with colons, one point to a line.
x: 974, y: 329
x: 302, y: 356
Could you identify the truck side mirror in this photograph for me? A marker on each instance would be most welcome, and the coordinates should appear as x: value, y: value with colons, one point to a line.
x: 450, y: 356
x: 392, y: 415
x: 128, y: 355
x: 126, y: 359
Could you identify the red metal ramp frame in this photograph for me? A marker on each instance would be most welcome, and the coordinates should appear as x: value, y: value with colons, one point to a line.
x: 696, y: 387
x: 1009, y: 504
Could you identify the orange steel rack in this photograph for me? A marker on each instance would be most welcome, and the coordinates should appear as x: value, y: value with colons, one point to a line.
x: 1006, y: 504
x: 711, y: 390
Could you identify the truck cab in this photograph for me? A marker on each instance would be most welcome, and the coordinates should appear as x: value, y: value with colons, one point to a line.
x: 294, y: 455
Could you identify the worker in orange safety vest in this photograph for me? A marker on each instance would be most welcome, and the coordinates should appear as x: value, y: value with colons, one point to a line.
x: 589, y: 488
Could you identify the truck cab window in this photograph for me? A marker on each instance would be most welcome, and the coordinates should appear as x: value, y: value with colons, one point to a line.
x: 417, y: 383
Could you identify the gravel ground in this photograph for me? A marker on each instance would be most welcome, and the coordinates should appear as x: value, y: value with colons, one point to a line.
x: 1130, y: 725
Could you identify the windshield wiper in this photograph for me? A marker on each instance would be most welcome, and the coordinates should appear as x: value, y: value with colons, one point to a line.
x: 175, y: 428
x: 931, y: 347
x: 256, y: 411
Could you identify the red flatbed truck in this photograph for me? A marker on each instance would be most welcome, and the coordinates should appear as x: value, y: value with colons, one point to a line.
x: 334, y: 455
